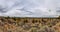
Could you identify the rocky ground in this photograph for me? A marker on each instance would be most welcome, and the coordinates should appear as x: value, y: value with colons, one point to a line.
x: 8, y: 24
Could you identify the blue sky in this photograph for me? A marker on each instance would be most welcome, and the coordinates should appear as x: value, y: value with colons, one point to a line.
x: 30, y: 8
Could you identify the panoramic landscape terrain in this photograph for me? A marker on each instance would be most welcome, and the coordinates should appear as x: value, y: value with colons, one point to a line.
x: 16, y: 24
x: 26, y: 15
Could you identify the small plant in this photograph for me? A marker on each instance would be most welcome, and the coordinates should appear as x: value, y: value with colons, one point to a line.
x: 34, y: 30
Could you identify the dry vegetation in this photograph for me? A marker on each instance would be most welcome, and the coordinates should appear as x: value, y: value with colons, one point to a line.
x: 14, y: 24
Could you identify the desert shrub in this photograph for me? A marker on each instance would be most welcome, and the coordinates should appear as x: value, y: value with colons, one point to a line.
x: 34, y: 21
x: 25, y: 21
x: 20, y: 23
x: 46, y: 29
x: 33, y: 30
x: 26, y: 27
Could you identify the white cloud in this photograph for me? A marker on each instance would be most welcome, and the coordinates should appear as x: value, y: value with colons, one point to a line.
x: 29, y: 8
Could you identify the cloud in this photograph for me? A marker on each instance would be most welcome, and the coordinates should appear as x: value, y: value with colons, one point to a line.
x: 29, y: 8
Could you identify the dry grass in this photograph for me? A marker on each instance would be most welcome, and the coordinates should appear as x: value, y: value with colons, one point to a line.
x: 9, y: 24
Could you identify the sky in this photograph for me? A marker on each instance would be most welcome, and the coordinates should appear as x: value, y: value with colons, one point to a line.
x: 30, y: 8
